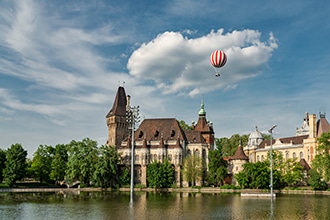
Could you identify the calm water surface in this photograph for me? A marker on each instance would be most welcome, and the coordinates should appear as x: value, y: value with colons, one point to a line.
x: 150, y: 205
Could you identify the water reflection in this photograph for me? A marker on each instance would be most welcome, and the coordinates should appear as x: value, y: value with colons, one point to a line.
x: 152, y: 205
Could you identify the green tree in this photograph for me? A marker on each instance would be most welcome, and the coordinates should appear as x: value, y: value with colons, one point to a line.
x: 185, y: 126
x: 125, y: 176
x: 217, y: 168
x: 293, y: 172
x: 59, y: 163
x: 160, y: 175
x: 82, y: 158
x: 193, y: 169
x: 321, y: 162
x: 315, y: 180
x: 15, y: 165
x: 2, y: 163
x: 257, y: 176
x: 228, y: 146
x: 106, y: 172
x: 41, y: 163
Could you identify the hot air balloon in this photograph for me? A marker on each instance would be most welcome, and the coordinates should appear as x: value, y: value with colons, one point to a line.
x: 218, y: 59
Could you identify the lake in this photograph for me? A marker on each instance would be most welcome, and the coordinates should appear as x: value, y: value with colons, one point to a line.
x: 152, y: 205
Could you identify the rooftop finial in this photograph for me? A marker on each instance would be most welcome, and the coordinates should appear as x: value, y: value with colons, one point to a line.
x: 202, y: 110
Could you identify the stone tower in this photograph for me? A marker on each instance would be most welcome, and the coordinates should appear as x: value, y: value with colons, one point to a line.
x: 116, y: 119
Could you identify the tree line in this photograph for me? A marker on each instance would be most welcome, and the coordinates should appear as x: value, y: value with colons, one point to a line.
x: 91, y: 165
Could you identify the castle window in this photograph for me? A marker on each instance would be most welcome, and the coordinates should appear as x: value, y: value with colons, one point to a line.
x: 172, y: 133
x: 156, y: 133
x: 301, y: 155
x: 197, y: 153
x: 137, y: 158
x: 294, y: 155
x: 258, y: 159
x: 141, y: 134
x: 170, y: 157
x: 262, y: 158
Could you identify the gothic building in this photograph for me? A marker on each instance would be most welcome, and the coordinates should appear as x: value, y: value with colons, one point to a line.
x: 157, y: 139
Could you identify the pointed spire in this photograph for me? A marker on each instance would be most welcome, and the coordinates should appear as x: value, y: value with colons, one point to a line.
x: 202, y: 110
x: 119, y: 105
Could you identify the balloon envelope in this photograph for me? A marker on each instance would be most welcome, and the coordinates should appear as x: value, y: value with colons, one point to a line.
x: 218, y: 58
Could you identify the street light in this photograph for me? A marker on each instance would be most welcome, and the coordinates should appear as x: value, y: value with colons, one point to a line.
x: 271, y: 160
x: 132, y: 117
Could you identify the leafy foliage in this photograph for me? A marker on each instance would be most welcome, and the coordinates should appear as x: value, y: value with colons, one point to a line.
x: 228, y: 146
x: 193, y: 169
x: 83, y: 156
x: 59, y: 163
x: 2, y: 163
x: 321, y: 162
x: 106, y: 171
x: 160, y: 175
x: 185, y: 126
x: 41, y: 163
x: 15, y: 165
x: 125, y: 176
x: 217, y: 168
x: 315, y: 180
x: 257, y: 176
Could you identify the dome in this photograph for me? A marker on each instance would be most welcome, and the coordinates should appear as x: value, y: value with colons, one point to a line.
x: 255, y: 138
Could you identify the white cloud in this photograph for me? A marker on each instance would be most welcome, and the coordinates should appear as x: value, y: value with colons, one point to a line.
x: 176, y: 63
x: 50, y: 52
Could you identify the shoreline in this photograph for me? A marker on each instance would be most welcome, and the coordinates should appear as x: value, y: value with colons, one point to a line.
x: 184, y: 190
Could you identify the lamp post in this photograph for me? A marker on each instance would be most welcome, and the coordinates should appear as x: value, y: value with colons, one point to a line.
x: 132, y: 118
x: 271, y: 160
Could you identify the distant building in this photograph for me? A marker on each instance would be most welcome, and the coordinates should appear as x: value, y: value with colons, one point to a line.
x: 236, y: 163
x: 157, y: 139
x: 302, y: 146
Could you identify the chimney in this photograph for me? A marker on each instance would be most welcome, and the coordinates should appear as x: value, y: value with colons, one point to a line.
x: 312, y: 126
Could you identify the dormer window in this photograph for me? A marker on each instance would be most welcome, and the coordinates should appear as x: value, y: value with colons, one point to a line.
x: 172, y: 133
x: 141, y: 134
x: 156, y: 133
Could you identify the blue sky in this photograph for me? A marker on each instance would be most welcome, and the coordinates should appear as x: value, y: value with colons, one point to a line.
x: 61, y: 63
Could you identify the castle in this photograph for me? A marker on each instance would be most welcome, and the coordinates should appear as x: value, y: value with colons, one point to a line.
x: 157, y: 139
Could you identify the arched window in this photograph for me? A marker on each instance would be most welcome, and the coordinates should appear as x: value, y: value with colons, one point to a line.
x: 258, y: 158
x: 262, y: 158
x: 137, y: 158
x: 170, y: 157
x: 301, y: 155
x: 286, y: 155
x: 294, y: 155
x: 197, y: 154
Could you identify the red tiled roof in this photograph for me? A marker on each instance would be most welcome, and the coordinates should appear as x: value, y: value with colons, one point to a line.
x: 155, y: 129
x: 322, y: 126
x: 239, y: 154
x: 119, y: 104
x: 203, y: 126
x: 194, y: 137
x: 287, y: 140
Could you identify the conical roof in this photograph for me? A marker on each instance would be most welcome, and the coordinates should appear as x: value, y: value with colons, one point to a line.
x: 239, y: 154
x: 119, y: 104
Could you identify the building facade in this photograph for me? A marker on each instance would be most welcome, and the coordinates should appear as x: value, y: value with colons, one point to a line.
x: 302, y: 146
x: 157, y: 139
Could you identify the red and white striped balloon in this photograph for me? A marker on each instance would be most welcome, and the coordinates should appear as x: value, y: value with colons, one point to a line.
x: 218, y: 58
